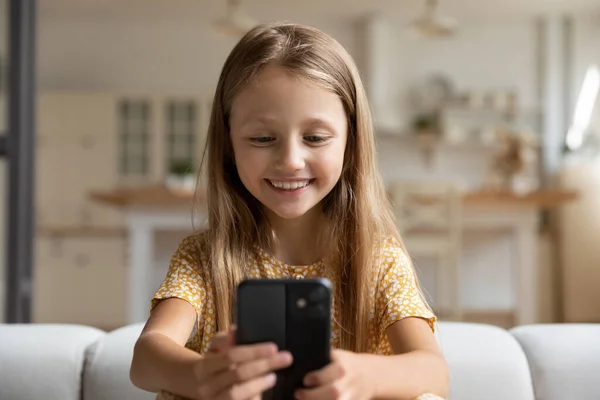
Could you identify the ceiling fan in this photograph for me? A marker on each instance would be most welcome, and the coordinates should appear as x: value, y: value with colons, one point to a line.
x: 431, y: 24
x: 235, y: 22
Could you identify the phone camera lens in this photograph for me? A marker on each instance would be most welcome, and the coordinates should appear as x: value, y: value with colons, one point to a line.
x: 301, y: 303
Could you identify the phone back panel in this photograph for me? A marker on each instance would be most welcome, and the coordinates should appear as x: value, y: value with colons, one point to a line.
x: 294, y: 314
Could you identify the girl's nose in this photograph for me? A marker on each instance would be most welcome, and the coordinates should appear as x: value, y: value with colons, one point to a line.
x: 290, y: 157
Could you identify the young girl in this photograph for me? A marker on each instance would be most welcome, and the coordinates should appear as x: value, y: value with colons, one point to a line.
x: 293, y: 191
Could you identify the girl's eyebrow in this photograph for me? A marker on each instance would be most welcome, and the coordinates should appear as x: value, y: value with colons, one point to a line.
x: 311, y: 122
x: 320, y: 122
x: 258, y: 119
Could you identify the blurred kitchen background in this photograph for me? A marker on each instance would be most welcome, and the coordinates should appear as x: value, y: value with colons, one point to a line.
x: 486, y: 122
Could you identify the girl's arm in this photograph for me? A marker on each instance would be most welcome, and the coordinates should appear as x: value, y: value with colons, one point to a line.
x: 160, y: 360
x: 417, y: 367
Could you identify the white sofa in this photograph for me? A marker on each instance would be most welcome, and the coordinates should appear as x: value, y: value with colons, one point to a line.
x: 543, y: 362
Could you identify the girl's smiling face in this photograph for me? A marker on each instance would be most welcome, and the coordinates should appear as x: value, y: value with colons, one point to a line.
x: 288, y: 137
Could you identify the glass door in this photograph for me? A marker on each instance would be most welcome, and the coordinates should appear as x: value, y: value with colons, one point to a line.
x: 17, y: 128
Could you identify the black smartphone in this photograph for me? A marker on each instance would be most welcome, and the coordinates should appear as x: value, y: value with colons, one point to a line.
x: 294, y: 314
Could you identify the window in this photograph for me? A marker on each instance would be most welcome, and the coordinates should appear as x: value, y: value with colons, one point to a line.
x: 134, y: 135
x: 181, y: 142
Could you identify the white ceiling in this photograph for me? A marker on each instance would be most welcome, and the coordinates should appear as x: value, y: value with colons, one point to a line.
x: 400, y: 10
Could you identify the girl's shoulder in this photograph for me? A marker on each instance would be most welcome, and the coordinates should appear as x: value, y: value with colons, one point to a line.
x: 389, y: 254
x: 390, y: 242
x: 193, y: 250
x: 388, y: 247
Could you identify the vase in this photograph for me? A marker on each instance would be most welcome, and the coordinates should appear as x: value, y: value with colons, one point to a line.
x: 181, y: 183
x: 428, y: 141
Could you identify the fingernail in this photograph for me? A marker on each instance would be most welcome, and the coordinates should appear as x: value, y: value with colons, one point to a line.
x: 297, y: 395
x: 284, y: 356
x: 272, y: 348
x: 271, y: 378
x: 308, y: 380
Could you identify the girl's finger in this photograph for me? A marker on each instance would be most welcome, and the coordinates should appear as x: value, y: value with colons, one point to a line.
x: 250, y: 370
x: 241, y: 354
x: 217, y: 341
x: 324, y: 376
x: 222, y: 341
x: 249, y: 389
x: 217, y: 361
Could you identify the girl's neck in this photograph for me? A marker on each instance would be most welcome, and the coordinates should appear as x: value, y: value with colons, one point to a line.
x: 297, y: 240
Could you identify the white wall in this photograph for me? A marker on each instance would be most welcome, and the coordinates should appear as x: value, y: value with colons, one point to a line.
x: 133, y: 55
x: 182, y: 56
x: 482, y: 56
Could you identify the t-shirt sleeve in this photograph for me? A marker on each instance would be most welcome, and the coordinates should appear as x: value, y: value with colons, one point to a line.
x: 398, y: 294
x: 183, y: 279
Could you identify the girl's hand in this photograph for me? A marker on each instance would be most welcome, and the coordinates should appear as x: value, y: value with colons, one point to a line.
x: 344, y: 378
x: 238, y: 372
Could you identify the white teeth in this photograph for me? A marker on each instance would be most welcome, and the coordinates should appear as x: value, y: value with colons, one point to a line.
x: 289, y: 185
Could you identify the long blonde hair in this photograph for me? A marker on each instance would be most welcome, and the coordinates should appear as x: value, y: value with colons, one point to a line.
x: 358, y: 211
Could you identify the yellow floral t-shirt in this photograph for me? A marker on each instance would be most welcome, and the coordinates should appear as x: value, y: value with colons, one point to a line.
x: 394, y: 288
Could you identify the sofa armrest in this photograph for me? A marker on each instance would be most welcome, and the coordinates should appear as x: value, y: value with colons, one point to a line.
x: 564, y: 359
x: 43, y: 361
x: 106, y: 374
x: 485, y: 362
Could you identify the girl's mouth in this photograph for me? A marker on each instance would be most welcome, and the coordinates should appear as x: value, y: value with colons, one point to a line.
x: 290, y: 186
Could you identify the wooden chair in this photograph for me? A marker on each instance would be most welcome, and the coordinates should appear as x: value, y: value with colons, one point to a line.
x: 429, y: 219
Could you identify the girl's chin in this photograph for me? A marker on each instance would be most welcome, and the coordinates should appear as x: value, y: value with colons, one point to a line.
x: 290, y: 215
x: 293, y: 214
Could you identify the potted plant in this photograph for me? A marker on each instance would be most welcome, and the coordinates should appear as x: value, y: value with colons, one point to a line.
x: 425, y: 126
x: 181, y: 176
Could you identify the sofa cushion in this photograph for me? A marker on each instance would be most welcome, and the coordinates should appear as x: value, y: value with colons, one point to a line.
x: 564, y: 359
x: 106, y: 374
x: 485, y: 362
x: 43, y: 361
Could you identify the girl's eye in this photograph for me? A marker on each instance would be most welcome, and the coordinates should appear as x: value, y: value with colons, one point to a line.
x: 315, y: 139
x: 262, y: 139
